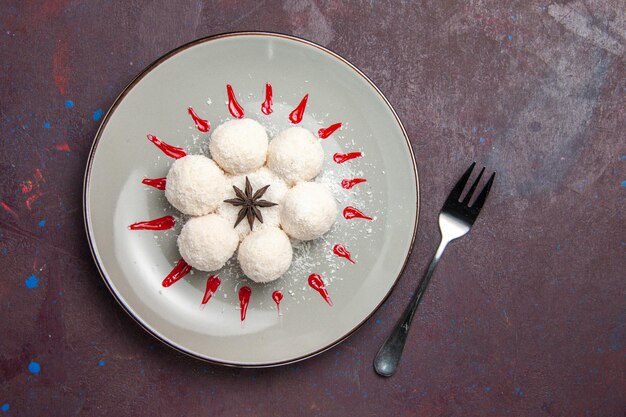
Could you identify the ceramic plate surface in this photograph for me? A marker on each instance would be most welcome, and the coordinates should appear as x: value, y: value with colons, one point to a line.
x: 134, y: 263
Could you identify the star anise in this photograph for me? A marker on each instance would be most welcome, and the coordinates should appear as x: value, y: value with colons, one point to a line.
x: 249, y: 203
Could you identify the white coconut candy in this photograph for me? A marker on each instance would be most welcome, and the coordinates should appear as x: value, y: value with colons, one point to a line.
x: 195, y: 185
x: 295, y: 155
x: 308, y: 210
x: 239, y: 146
x: 207, y: 242
x: 265, y: 255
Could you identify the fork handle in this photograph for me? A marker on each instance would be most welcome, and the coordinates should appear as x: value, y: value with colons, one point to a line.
x: 388, y: 357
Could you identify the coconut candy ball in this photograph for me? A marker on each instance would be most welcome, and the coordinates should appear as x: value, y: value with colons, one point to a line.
x: 308, y: 210
x: 265, y: 255
x: 239, y: 146
x: 195, y: 185
x: 295, y: 155
x: 207, y: 242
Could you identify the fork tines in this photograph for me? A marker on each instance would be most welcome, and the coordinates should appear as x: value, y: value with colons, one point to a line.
x: 455, y: 195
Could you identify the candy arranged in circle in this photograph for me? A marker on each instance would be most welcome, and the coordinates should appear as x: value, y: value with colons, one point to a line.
x: 250, y: 196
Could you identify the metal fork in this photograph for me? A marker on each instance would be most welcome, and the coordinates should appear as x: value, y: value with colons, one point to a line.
x: 455, y: 220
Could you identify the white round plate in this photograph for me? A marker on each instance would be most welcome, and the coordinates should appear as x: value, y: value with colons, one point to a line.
x: 134, y: 263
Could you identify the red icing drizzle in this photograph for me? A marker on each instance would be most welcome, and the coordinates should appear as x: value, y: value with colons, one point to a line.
x: 167, y: 149
x: 162, y: 223
x: 244, y: 299
x: 353, y: 213
x: 326, y: 132
x: 347, y: 184
x: 233, y: 106
x: 181, y: 269
x: 202, y: 124
x: 340, y: 158
x: 277, y: 296
x: 266, y: 107
x: 315, y: 281
x: 296, y: 115
x: 158, y: 183
x: 342, y: 252
x: 212, y: 283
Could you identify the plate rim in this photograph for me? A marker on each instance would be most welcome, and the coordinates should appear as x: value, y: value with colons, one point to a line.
x: 98, y: 136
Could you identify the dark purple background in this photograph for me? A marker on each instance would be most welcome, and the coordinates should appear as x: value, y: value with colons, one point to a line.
x: 525, y: 316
